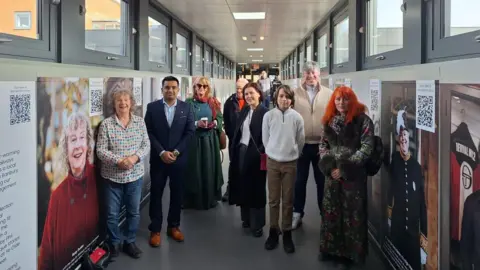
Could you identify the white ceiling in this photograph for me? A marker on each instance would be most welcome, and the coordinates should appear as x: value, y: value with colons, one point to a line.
x: 286, y: 23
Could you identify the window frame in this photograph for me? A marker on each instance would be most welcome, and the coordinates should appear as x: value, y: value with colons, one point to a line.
x: 386, y: 59
x: 178, y: 29
x: 157, y: 15
x: 44, y: 48
x: 207, y: 62
x: 323, y: 30
x: 336, y: 19
x: 73, y: 49
x: 195, y: 71
x: 444, y: 49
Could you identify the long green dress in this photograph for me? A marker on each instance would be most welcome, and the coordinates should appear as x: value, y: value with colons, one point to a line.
x: 204, y: 176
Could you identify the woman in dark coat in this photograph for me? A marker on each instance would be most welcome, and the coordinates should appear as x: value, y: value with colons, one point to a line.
x: 248, y: 182
x: 346, y: 146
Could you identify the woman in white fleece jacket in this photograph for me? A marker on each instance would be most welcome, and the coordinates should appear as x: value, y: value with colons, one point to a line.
x: 283, y: 137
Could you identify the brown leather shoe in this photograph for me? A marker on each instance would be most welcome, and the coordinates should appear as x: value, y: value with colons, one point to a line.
x: 175, y: 234
x: 155, y: 239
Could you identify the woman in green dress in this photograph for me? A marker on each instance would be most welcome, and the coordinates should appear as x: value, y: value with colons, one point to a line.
x: 204, y: 176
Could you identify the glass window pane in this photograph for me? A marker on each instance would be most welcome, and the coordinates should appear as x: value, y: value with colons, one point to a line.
x: 19, y: 18
x: 215, y: 64
x: 157, y: 46
x: 198, y: 58
x: 302, y: 60
x: 322, y: 51
x: 384, y: 26
x: 309, y: 53
x: 340, y: 42
x: 106, y: 26
x: 208, y: 62
x: 460, y: 17
x: 181, y: 51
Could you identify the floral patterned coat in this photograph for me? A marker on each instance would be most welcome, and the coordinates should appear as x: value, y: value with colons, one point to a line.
x: 346, y: 147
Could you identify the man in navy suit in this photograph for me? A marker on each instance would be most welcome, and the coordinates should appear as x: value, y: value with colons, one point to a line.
x: 170, y: 126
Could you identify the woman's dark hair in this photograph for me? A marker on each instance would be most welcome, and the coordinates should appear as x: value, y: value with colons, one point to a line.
x: 257, y: 88
x: 288, y: 92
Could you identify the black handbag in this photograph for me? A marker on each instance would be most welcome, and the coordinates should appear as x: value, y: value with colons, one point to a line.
x: 101, y: 264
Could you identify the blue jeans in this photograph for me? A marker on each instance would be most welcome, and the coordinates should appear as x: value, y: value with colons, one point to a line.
x: 116, y: 195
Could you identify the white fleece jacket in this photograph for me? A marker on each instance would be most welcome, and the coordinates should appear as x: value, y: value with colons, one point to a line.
x: 283, y: 134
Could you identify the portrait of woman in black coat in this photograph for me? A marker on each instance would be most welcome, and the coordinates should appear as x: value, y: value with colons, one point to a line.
x: 248, y: 181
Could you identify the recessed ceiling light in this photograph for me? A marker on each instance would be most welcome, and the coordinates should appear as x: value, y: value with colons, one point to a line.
x: 242, y: 63
x: 249, y: 15
x: 261, y: 55
x: 244, y: 38
x: 251, y: 55
x: 257, y: 60
x: 262, y: 38
x: 255, y: 49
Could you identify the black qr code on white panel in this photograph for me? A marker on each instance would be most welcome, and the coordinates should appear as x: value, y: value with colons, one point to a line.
x: 374, y: 100
x: 20, y: 110
x: 425, y: 110
x: 96, y: 101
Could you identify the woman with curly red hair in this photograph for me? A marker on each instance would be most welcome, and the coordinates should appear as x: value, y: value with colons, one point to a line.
x: 346, y: 146
x: 204, y: 179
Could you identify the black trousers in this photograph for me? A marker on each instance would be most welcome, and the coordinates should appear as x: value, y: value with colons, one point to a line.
x: 159, y: 176
x: 310, y: 155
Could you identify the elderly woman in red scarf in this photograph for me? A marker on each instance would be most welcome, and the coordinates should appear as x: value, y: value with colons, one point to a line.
x: 204, y: 178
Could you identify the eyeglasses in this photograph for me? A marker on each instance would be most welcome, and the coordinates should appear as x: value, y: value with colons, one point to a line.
x: 205, y: 86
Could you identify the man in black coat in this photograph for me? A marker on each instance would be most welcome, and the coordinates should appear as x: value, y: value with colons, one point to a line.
x: 276, y: 83
x: 231, y: 110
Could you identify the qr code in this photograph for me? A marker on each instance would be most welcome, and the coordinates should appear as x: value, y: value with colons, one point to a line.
x: 425, y: 110
x: 374, y: 99
x: 96, y: 101
x: 137, y: 94
x: 20, y: 111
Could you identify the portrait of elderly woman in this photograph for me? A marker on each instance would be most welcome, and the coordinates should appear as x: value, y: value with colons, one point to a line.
x: 407, y: 193
x: 122, y: 145
x: 72, y: 217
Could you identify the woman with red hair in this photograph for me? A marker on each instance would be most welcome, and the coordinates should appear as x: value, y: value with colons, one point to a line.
x: 204, y: 179
x: 346, y: 146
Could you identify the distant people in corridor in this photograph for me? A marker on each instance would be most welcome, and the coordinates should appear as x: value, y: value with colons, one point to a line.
x: 283, y: 137
x: 231, y: 111
x: 170, y: 126
x: 265, y: 85
x: 276, y: 83
x: 204, y: 177
x: 72, y: 217
x: 122, y: 144
x: 346, y: 146
x: 311, y: 99
x: 248, y: 182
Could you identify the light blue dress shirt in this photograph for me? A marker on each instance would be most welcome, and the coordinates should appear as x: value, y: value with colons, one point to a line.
x: 170, y: 112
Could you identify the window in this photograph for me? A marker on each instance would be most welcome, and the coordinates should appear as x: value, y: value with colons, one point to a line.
x: 221, y: 67
x: 208, y: 61
x: 181, y: 54
x: 157, y: 42
x: 384, y: 26
x: 198, y: 58
x: 309, y: 52
x: 301, y: 53
x: 215, y: 65
x: 450, y: 24
x: 322, y: 51
x: 28, y: 29
x: 106, y: 26
x: 340, y: 42
x: 23, y: 20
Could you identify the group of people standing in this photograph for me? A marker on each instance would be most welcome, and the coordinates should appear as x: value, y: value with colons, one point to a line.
x: 308, y: 125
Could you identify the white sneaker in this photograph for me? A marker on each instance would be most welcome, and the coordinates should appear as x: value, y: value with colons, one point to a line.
x: 296, y: 221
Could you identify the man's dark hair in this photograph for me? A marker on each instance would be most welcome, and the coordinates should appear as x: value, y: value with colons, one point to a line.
x: 257, y: 88
x: 288, y: 92
x: 170, y: 79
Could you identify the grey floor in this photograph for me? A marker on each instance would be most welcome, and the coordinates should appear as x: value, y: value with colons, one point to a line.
x: 215, y: 240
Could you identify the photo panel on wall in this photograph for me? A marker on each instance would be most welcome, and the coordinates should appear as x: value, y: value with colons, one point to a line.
x: 69, y: 184
x: 464, y: 175
x: 409, y: 131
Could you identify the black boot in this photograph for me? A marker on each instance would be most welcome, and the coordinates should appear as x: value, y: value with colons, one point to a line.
x: 226, y: 194
x: 132, y: 250
x: 288, y: 245
x: 114, y: 250
x: 272, y: 240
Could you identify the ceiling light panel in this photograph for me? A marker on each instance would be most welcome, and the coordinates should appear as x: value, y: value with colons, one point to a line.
x: 249, y: 15
x: 255, y: 49
x: 257, y: 60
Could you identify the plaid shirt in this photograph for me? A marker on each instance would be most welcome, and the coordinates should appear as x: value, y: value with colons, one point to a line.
x: 115, y: 142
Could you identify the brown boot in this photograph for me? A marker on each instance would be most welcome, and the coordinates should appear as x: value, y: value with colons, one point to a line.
x: 175, y: 234
x: 155, y: 239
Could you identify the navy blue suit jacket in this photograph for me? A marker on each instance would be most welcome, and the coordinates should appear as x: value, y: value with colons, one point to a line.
x: 162, y: 137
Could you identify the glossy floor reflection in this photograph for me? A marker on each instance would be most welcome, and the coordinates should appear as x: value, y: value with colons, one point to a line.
x: 215, y: 240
